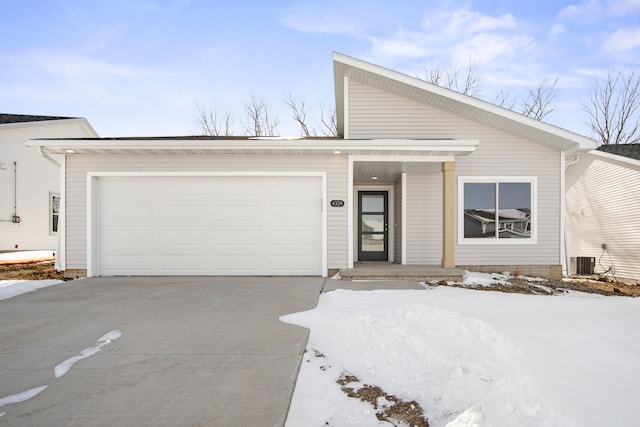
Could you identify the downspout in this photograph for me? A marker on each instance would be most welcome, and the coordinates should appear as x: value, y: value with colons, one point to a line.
x: 46, y: 156
x: 60, y: 246
x: 567, y: 255
x: 15, y: 193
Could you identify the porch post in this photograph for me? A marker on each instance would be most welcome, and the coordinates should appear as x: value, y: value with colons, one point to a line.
x: 448, y: 186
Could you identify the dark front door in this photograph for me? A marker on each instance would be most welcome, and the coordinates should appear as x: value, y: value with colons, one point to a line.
x: 373, y: 235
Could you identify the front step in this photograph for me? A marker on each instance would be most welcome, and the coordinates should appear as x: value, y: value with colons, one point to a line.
x: 416, y: 273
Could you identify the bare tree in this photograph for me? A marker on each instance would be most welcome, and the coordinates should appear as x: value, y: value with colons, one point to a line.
x: 613, y: 110
x: 300, y: 112
x: 504, y: 99
x: 259, y: 120
x: 213, y: 123
x: 451, y: 79
x: 541, y: 100
x: 329, y: 122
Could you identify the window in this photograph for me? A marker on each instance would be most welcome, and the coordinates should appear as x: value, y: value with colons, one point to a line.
x: 54, y: 212
x: 497, y: 210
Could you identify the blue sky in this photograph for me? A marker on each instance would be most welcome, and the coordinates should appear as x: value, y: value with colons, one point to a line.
x: 138, y: 68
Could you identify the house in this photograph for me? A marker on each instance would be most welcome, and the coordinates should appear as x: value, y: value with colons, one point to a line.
x: 412, y: 162
x: 30, y: 182
x: 603, y: 201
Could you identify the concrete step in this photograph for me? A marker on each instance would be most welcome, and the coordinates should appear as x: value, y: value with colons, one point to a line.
x: 418, y: 273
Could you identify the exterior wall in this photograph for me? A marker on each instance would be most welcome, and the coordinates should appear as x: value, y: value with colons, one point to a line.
x: 603, y: 200
x: 37, y: 178
x: 424, y: 219
x: 77, y: 167
x: 397, y: 214
x: 374, y: 113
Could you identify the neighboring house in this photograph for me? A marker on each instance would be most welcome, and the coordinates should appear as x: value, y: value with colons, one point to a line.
x: 603, y: 203
x: 412, y: 163
x: 29, y: 182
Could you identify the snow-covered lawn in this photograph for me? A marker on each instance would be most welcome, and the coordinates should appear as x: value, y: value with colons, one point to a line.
x: 12, y: 288
x: 470, y: 358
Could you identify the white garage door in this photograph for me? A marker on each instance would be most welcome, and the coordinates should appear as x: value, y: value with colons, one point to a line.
x: 211, y: 225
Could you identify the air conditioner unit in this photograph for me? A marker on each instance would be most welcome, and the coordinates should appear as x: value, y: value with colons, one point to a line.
x: 585, y: 265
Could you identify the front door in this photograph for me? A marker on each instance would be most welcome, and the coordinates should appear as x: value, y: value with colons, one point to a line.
x: 373, y: 234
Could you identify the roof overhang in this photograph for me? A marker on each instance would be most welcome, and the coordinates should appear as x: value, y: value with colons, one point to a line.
x: 263, y: 146
x: 448, y: 100
x: 616, y: 157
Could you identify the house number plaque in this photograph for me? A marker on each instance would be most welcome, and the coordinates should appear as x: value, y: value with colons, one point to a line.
x: 337, y: 203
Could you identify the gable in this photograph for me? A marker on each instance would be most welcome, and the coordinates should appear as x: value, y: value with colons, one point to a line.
x: 348, y: 69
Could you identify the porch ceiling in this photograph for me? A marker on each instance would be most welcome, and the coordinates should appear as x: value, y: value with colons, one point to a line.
x: 389, y: 172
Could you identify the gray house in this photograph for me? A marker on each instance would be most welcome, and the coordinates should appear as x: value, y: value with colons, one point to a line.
x: 420, y: 175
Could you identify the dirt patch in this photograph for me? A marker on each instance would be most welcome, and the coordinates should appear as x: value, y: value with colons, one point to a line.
x: 521, y: 285
x: 32, y: 271
x: 389, y: 408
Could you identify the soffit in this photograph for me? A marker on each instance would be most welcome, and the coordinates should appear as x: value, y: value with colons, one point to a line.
x: 104, y: 146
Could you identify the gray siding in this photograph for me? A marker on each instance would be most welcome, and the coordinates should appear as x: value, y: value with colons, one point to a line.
x: 424, y: 219
x: 374, y: 113
x: 603, y: 201
x: 78, y: 165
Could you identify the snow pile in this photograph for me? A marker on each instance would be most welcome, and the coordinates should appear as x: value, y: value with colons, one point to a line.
x: 12, y: 288
x: 471, y: 358
x: 27, y: 255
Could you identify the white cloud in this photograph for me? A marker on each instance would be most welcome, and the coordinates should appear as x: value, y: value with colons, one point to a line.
x: 556, y: 30
x: 623, y: 40
x: 585, y: 10
x: 487, y: 48
x: 623, y: 7
x: 457, y: 37
x: 464, y: 21
x: 398, y: 48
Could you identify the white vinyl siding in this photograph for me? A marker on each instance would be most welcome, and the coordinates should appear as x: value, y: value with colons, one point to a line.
x: 37, y: 179
x: 374, y: 114
x: 603, y: 201
x: 424, y: 219
x: 78, y: 166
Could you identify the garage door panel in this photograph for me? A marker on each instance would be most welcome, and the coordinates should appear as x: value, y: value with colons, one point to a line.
x: 210, y: 225
x: 127, y: 237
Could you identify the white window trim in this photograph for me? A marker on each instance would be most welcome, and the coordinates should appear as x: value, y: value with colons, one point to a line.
x: 462, y: 180
x: 51, y: 196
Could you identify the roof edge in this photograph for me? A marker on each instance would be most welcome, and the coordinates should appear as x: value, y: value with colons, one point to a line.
x: 617, y: 157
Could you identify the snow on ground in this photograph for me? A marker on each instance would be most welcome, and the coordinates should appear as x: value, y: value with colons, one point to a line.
x: 106, y: 339
x: 26, y: 255
x: 12, y: 288
x: 471, y: 358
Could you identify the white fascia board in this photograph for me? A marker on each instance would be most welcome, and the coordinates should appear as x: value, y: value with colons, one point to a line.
x: 616, y: 157
x: 307, y: 145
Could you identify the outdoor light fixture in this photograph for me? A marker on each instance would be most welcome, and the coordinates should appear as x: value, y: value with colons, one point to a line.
x: 3, y: 165
x: 69, y: 151
x: 336, y: 152
x: 374, y: 177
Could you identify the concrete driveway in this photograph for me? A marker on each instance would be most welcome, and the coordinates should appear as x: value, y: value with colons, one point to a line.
x: 197, y: 351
